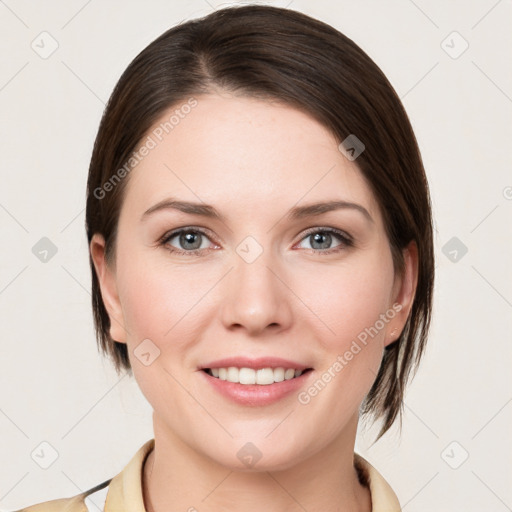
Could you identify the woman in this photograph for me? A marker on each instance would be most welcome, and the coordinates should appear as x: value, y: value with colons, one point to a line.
x: 260, y: 237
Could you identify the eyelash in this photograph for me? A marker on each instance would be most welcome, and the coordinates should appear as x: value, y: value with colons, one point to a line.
x: 343, y: 237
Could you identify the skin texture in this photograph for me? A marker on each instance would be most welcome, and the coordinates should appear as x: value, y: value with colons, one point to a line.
x: 253, y: 161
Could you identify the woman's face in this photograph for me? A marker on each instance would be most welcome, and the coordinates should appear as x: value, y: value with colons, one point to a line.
x: 266, y: 279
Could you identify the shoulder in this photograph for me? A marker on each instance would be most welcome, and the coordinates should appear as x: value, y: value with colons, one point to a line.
x: 77, y: 503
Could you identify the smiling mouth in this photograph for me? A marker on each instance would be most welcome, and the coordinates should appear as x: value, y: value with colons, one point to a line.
x: 248, y: 376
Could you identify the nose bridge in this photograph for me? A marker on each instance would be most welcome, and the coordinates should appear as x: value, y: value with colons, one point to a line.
x: 256, y: 297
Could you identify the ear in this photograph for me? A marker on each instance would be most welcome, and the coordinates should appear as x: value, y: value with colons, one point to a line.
x: 404, y: 290
x: 108, y: 287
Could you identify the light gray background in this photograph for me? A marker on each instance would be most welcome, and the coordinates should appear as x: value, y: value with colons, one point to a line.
x: 55, y: 388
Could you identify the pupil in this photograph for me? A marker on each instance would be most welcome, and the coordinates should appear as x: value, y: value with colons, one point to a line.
x: 319, y: 236
x: 189, y: 238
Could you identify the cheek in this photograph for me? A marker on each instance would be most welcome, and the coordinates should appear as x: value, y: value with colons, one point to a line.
x: 165, y: 305
x: 355, y: 307
x: 145, y: 305
x: 158, y: 306
x: 349, y: 360
x: 353, y: 301
x: 153, y: 296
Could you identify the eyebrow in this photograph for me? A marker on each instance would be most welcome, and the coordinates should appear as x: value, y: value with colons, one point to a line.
x: 296, y: 213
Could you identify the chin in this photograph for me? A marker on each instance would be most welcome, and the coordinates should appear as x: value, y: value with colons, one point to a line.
x: 247, y: 456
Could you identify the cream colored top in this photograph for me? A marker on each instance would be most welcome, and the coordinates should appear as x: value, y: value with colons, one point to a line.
x: 123, y: 493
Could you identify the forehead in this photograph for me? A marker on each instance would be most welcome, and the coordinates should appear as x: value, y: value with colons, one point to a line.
x: 239, y: 152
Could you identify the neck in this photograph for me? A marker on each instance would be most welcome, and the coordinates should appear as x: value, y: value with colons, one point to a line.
x: 175, y: 477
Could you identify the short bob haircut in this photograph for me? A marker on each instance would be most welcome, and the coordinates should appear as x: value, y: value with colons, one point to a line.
x: 277, y: 54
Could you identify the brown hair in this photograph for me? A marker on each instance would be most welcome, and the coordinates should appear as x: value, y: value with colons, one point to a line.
x: 277, y: 54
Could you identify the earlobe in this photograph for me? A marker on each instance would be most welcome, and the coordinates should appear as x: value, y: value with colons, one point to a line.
x: 108, y: 288
x: 404, y: 295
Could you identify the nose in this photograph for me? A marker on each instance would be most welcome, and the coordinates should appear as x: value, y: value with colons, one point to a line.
x: 255, y: 297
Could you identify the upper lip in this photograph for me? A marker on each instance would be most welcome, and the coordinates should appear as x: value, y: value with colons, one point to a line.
x: 255, y: 363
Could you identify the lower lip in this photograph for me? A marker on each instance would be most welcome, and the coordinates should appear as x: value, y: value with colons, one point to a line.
x: 256, y: 394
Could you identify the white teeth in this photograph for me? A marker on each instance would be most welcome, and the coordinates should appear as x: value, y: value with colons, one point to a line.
x: 263, y: 376
x: 232, y: 375
x: 289, y: 374
x: 278, y: 374
x: 247, y: 376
